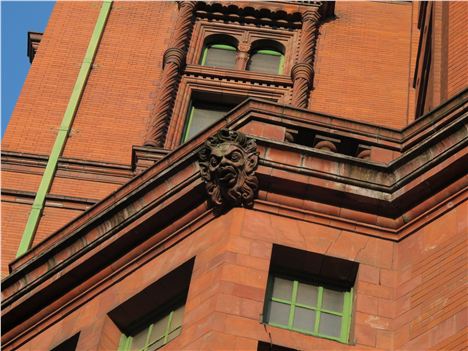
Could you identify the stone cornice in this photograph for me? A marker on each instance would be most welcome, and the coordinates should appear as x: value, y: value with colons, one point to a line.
x: 26, y: 162
x: 384, y: 199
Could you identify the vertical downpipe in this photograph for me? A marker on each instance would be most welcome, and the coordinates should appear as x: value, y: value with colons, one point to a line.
x: 65, y: 126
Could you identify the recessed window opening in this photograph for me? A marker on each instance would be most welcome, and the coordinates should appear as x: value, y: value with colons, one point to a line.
x: 206, y: 109
x: 310, y: 293
x: 219, y: 51
x: 266, y: 57
x: 68, y: 345
x: 153, y: 317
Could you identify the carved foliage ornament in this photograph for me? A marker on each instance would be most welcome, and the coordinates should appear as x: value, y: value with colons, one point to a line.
x: 228, y: 162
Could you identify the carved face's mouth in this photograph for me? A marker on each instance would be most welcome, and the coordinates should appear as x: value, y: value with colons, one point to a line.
x: 226, y: 174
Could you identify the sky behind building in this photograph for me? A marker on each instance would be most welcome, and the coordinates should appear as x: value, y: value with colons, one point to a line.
x: 18, y: 18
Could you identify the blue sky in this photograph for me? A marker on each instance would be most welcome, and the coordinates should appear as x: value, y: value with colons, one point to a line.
x: 18, y: 18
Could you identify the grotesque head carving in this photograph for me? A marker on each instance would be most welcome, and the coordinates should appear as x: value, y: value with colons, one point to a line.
x: 227, y: 165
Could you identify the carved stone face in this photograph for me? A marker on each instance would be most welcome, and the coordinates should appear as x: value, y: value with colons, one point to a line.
x: 227, y: 164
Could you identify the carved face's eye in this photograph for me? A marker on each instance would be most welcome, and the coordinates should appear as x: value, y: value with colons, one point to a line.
x: 235, y: 156
x: 214, y: 161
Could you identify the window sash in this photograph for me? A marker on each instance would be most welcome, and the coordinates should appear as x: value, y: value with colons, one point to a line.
x: 125, y: 343
x: 193, y: 109
x: 345, y: 314
x: 269, y: 53
x: 216, y: 46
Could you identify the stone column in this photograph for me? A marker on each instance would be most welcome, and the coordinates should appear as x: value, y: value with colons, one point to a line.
x: 173, y: 61
x: 302, y: 73
x: 242, y: 55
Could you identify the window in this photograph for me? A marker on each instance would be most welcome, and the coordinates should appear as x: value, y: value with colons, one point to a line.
x: 310, y: 293
x: 266, y: 61
x: 156, y: 334
x: 68, y: 345
x: 203, y: 114
x: 219, y: 55
x: 219, y: 51
x: 205, y: 109
x: 153, y: 317
x: 265, y: 346
x: 309, y: 308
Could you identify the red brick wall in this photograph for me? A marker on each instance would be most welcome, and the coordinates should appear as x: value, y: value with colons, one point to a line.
x: 115, y: 106
x: 46, y: 91
x: 457, y: 50
x: 53, y: 219
x: 21, y: 181
x: 362, y: 68
x: 227, y: 289
x: 431, y: 293
x: 14, y: 218
x: 82, y: 188
x: 408, y: 295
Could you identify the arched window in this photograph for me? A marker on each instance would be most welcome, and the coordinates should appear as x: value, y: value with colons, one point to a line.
x: 266, y: 57
x: 219, y: 51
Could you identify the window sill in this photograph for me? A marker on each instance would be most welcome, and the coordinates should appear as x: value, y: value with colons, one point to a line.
x: 331, y: 338
x: 230, y: 74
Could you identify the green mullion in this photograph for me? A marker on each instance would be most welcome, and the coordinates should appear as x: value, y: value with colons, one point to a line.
x: 317, y: 312
x: 346, y: 321
x: 223, y: 47
x: 287, y: 302
x: 293, y: 303
x: 189, y: 121
x: 308, y: 307
x: 280, y: 68
x: 125, y: 343
x: 148, y: 337
x: 168, y: 327
x: 203, y: 59
x: 269, y: 52
x: 332, y: 312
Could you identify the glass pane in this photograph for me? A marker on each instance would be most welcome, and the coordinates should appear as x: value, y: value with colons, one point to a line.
x: 203, y: 117
x: 177, y: 317
x: 333, y: 300
x: 330, y: 325
x: 159, y: 328
x: 220, y: 58
x: 307, y: 294
x: 304, y: 319
x: 139, y: 339
x: 173, y: 334
x: 279, y: 313
x: 282, y: 288
x: 264, y: 63
x: 156, y: 345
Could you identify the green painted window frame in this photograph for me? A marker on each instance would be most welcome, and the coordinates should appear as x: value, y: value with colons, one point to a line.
x: 271, y: 53
x: 215, y: 46
x: 125, y: 343
x: 188, y: 122
x: 346, y: 313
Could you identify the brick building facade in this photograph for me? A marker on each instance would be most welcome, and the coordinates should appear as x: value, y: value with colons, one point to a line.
x: 239, y: 176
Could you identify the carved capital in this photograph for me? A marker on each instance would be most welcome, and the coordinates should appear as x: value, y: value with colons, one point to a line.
x: 244, y: 47
x: 174, y: 55
x: 312, y: 15
x: 302, y: 71
x: 228, y: 162
x: 190, y: 5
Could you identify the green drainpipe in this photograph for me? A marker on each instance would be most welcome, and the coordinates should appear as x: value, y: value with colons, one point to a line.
x: 65, y: 126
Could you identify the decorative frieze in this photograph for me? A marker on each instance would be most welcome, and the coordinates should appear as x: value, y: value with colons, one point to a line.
x: 303, y: 72
x: 174, y: 60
